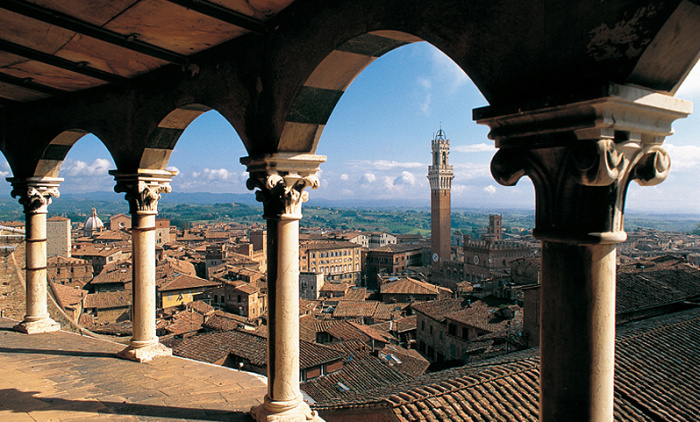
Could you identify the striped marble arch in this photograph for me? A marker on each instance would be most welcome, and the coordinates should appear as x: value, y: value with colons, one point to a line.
x: 314, y: 103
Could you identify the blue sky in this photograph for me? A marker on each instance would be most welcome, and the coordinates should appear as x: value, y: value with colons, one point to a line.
x: 378, y: 145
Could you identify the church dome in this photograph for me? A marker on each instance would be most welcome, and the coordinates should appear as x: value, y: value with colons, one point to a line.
x: 93, y: 222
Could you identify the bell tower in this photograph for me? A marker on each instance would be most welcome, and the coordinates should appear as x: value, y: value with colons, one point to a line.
x: 440, y: 177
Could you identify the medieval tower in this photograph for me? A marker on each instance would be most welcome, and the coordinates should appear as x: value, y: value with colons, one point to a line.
x: 440, y: 177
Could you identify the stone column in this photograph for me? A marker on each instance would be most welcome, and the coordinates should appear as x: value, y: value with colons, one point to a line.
x: 581, y: 158
x: 281, y: 179
x: 35, y: 195
x: 142, y: 191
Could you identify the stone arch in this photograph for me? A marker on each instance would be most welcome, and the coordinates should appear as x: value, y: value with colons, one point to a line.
x: 316, y: 98
x: 49, y: 164
x: 163, y: 139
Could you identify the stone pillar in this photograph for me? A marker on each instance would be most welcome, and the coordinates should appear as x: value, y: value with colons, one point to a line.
x: 281, y: 179
x: 142, y: 191
x: 581, y: 158
x: 35, y: 195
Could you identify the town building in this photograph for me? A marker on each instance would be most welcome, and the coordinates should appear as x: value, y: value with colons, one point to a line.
x: 68, y: 271
x: 240, y: 298
x: 310, y: 285
x: 337, y: 261
x: 391, y: 260
x: 58, y: 237
x: 179, y: 289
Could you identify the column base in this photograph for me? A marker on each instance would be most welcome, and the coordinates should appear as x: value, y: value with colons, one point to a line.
x: 44, y: 325
x: 145, y: 353
x: 271, y: 411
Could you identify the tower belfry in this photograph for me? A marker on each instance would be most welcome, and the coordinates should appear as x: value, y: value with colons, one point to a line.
x: 440, y: 176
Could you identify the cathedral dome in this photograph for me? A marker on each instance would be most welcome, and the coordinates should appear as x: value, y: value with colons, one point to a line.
x: 94, y: 223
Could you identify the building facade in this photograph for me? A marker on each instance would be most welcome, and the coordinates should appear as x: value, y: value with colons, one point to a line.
x: 337, y: 261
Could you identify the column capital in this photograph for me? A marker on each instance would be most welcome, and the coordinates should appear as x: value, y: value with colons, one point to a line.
x: 142, y: 189
x: 582, y: 156
x: 35, y: 193
x: 281, y: 179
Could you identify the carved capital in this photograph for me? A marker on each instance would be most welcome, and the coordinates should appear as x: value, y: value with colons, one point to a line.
x: 281, y: 179
x: 35, y: 193
x: 581, y: 172
x: 142, y: 189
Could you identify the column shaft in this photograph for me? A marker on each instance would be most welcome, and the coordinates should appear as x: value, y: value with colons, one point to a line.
x: 577, y: 340
x: 283, y: 311
x: 144, y: 277
x: 36, y: 267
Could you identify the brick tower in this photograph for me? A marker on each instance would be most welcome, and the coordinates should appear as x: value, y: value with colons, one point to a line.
x: 440, y: 177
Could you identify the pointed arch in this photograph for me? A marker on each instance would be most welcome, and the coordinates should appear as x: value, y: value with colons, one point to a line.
x: 49, y: 164
x: 315, y: 100
x: 162, y: 140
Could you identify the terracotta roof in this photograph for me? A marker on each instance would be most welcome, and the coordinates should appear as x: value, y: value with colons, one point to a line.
x: 412, y: 363
x: 185, y: 322
x: 211, y: 347
x: 375, y: 334
x: 224, y: 321
x: 484, y: 317
x: 641, y: 290
x: 361, y: 372
x: 201, y: 307
x: 108, y: 300
x: 350, y: 309
x: 664, y: 388
x: 400, y: 325
x: 67, y: 296
x: 335, y: 287
x: 356, y: 294
x: 408, y: 286
x: 184, y: 282
x: 437, y: 309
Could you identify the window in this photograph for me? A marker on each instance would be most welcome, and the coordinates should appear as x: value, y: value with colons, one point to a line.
x: 239, y: 298
x: 422, y: 325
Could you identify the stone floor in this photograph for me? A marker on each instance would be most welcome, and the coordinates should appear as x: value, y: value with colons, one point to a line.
x: 67, y: 377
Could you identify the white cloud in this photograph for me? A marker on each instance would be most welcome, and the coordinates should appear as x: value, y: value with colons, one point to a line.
x: 367, y: 179
x: 482, y: 147
x: 77, y: 168
x: 684, y: 157
x: 406, y: 178
x: 425, y: 105
x: 469, y: 171
x: 425, y: 83
x: 217, y: 174
x: 344, y: 177
x: 173, y: 168
x: 386, y: 165
x: 388, y: 183
x: 347, y: 192
x: 490, y: 189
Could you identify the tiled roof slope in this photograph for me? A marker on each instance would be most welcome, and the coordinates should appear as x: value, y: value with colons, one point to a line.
x: 640, y: 290
x: 212, y: 347
x: 409, y: 286
x: 437, y: 309
x: 656, y: 378
x: 361, y: 372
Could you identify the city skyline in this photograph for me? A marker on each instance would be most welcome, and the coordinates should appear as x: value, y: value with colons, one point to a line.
x: 378, y: 145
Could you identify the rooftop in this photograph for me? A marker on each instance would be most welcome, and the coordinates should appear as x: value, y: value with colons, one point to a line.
x: 63, y: 376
